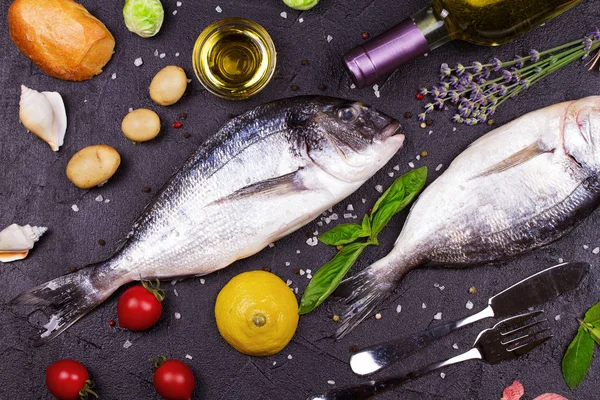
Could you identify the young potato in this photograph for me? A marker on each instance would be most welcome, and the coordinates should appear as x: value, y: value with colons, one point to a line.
x: 141, y: 125
x: 93, y: 165
x: 168, y: 85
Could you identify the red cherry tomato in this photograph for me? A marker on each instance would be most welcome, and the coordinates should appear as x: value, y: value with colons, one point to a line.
x: 174, y: 380
x: 138, y: 309
x: 68, y: 380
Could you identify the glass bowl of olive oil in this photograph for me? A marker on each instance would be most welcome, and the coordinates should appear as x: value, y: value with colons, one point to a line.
x: 234, y: 58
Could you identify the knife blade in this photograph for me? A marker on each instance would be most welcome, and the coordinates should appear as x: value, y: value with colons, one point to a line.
x: 537, y: 289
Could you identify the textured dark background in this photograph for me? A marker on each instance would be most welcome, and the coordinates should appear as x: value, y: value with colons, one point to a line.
x: 34, y: 190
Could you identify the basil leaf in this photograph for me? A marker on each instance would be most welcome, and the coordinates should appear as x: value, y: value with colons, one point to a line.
x: 594, y: 331
x: 593, y: 314
x: 397, y: 197
x: 577, y: 359
x: 343, y: 234
x: 366, y: 223
x: 328, y: 277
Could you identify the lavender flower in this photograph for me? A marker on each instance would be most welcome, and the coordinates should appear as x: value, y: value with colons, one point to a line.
x: 478, y: 90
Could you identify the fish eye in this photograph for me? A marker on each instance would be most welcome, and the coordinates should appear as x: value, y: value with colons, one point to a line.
x: 348, y: 114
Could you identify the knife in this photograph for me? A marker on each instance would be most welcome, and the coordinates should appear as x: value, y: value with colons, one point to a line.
x: 537, y: 289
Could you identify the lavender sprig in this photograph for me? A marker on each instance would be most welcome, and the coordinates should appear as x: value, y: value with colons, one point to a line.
x: 477, y: 90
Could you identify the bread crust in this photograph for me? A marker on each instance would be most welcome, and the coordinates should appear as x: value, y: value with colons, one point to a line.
x: 61, y: 37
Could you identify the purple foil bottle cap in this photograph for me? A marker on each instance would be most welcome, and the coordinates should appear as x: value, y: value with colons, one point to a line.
x: 385, y: 53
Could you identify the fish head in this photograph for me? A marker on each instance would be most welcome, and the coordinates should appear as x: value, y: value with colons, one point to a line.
x: 581, y: 132
x: 352, y: 141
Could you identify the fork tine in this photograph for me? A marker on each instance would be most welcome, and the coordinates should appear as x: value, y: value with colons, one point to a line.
x: 518, y: 319
x: 527, y: 347
x: 524, y: 327
x: 522, y: 338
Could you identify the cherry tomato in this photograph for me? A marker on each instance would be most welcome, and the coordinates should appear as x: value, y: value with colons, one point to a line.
x: 174, y: 380
x: 68, y: 380
x: 139, y: 308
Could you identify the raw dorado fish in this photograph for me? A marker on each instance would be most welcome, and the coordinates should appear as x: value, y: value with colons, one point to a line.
x: 265, y: 174
x: 519, y: 187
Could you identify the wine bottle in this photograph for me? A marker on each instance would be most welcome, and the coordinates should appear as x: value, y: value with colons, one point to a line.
x: 483, y: 22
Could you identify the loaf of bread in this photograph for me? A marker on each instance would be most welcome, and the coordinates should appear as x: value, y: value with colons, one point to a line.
x: 61, y: 37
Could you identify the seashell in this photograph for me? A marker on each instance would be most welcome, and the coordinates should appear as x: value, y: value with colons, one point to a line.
x: 16, y: 241
x: 44, y: 114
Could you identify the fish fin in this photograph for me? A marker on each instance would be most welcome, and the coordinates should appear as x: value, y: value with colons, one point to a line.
x: 278, y: 185
x: 363, y: 292
x: 68, y: 298
x: 522, y: 156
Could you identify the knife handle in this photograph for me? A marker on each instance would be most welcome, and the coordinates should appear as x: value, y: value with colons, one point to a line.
x: 379, y: 356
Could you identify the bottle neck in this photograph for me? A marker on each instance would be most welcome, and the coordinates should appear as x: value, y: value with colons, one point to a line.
x: 433, y: 26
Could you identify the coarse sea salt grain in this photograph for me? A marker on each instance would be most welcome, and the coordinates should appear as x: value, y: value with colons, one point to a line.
x: 202, y: 281
x: 301, y: 272
x: 163, y: 55
x: 557, y: 318
x: 455, y: 346
x: 106, y: 201
x: 312, y: 241
x: 398, y: 308
x: 218, y: 9
x: 308, y: 276
x: 333, y: 217
x: 179, y: 4
x: 331, y: 382
x: 329, y: 38
x: 350, y: 207
x: 274, y: 363
x: 297, y: 251
x: 585, y: 247
x: 411, y: 164
x: 155, y: 53
x: 74, y: 207
x: 175, y: 293
x: 188, y: 357
x: 289, y: 357
x: 301, y: 20
x: 423, y: 305
x: 442, y: 375
x: 177, y: 315
x: 353, y: 86
x: 396, y: 168
x: 176, y: 54
x: 438, y: 316
x: 271, y: 244
x: 175, y: 12
x: 127, y: 344
x: 130, y: 109
x: 99, y: 198
x: 347, y: 215
x: 469, y: 305
x: 438, y: 167
x: 596, y: 250
x: 283, y: 14
x: 391, y: 174
x: 113, y: 76
x: 363, y: 200
x: 138, y: 61
x: 379, y: 188
x: 287, y: 264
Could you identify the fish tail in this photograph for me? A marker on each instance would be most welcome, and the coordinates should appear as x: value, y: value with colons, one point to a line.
x: 68, y: 298
x: 363, y: 292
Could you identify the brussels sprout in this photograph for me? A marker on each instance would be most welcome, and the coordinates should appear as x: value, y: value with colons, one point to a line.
x: 301, y: 4
x: 143, y: 17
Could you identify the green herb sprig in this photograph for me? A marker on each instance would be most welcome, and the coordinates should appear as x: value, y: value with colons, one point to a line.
x: 399, y: 195
x: 577, y: 359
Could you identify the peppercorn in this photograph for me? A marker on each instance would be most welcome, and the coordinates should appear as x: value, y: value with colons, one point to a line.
x: 429, y: 122
x: 182, y: 116
x: 177, y: 125
x: 267, y: 268
x: 304, y: 62
x: 295, y: 87
x: 187, y: 135
x: 364, y: 35
x: 147, y: 189
x: 111, y: 323
x: 354, y: 348
x: 472, y: 290
x: 423, y: 125
x: 491, y: 122
x: 420, y: 96
x: 72, y: 268
x: 322, y: 86
x: 336, y: 318
x: 424, y: 153
x: 408, y: 115
x: 101, y: 242
x: 296, y: 270
x: 339, y: 247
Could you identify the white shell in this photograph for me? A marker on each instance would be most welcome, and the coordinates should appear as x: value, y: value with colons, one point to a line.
x: 44, y: 114
x: 16, y: 241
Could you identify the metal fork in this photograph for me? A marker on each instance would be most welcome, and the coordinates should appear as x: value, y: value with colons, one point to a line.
x: 492, y: 345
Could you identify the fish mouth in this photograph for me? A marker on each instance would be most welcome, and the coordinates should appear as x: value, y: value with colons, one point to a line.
x: 391, y: 129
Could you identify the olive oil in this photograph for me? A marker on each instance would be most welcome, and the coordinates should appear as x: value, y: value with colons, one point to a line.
x: 234, y: 58
x: 495, y: 22
x: 483, y: 22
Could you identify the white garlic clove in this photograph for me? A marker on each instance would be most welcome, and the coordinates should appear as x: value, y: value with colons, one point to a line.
x: 44, y: 114
x: 16, y: 241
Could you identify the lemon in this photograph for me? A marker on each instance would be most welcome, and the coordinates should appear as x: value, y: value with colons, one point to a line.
x: 257, y: 313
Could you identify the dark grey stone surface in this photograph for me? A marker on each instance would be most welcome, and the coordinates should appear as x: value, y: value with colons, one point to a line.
x: 34, y: 189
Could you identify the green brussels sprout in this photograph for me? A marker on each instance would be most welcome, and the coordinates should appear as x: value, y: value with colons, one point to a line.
x: 143, y: 17
x: 301, y: 4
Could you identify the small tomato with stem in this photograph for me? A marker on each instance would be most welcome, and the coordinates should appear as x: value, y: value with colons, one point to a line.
x: 173, y: 380
x: 139, y: 307
x: 69, y: 380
